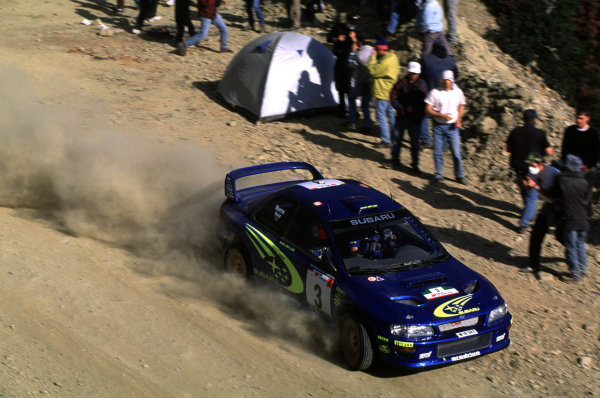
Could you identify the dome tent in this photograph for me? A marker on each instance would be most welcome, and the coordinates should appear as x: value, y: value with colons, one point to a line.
x: 279, y: 74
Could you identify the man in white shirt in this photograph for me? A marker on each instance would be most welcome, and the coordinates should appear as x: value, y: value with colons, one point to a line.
x: 446, y: 107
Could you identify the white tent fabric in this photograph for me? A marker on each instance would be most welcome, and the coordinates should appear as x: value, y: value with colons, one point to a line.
x: 280, y: 73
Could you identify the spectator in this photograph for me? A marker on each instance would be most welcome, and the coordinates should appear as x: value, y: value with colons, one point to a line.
x: 446, y: 106
x: 583, y: 141
x: 450, y: 7
x: 207, y: 10
x: 253, y: 6
x: 540, y: 177
x: 408, y: 98
x: 521, y: 142
x: 295, y: 12
x: 384, y: 69
x: 343, y: 35
x: 182, y: 19
x: 120, y: 6
x: 573, y: 193
x: 360, y: 86
x: 430, y: 25
x: 400, y: 10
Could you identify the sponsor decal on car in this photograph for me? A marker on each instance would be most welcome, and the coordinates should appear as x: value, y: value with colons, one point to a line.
x: 425, y: 355
x: 319, y: 184
x: 284, y: 272
x: 455, y: 307
x: 501, y: 337
x: 465, y: 356
x: 403, y: 343
x: 375, y: 279
x: 465, y: 333
x: 369, y: 220
x: 440, y: 291
x: 382, y: 338
x: 384, y: 348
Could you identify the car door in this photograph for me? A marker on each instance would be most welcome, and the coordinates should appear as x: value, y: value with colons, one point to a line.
x: 270, y: 256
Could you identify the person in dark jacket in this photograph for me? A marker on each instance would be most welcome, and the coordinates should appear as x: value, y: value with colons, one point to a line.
x: 522, y: 141
x: 343, y: 35
x: 408, y: 98
x: 540, y: 177
x: 207, y: 11
x: 573, y: 192
x: 583, y: 141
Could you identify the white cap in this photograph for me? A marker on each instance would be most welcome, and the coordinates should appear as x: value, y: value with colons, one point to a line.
x: 414, y: 67
x: 448, y: 75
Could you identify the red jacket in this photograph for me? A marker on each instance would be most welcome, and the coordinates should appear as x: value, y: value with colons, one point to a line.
x: 208, y: 8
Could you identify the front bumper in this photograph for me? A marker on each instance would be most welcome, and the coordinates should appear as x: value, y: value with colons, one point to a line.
x: 422, y: 354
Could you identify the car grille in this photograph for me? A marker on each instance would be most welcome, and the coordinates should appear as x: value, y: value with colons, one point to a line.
x: 461, y: 346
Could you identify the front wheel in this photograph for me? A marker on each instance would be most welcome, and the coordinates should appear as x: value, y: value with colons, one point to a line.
x: 356, y: 344
x: 237, y: 262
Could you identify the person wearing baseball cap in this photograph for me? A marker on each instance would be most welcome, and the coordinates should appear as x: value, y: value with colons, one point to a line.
x: 408, y: 98
x: 446, y: 106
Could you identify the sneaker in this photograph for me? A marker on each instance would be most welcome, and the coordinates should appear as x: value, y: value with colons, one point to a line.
x: 170, y: 2
x: 523, y: 229
x: 382, y: 144
x: 569, y: 279
x: 526, y: 270
x: 416, y: 170
x: 437, y: 179
x: 349, y: 125
x: 226, y: 50
x: 136, y: 31
x: 263, y: 29
x: 462, y: 180
x: 247, y: 28
x: 155, y: 18
x: 181, y: 48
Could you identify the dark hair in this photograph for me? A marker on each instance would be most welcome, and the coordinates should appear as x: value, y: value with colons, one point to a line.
x: 584, y: 112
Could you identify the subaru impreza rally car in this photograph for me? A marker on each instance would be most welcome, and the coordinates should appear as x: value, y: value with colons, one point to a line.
x: 364, y: 261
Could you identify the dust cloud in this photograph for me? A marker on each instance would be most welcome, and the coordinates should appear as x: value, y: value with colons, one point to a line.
x: 158, y: 201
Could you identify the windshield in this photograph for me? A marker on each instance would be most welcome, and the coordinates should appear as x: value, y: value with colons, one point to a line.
x: 387, y: 242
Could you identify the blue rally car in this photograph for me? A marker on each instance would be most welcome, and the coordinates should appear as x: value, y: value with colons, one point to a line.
x: 366, y: 262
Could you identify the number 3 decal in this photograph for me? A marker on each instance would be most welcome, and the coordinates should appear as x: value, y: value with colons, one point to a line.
x: 318, y: 290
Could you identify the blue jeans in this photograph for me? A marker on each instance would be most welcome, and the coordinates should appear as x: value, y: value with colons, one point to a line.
x: 450, y: 7
x: 414, y: 132
x: 425, y: 137
x: 205, y: 26
x: 530, y: 198
x: 394, y: 17
x: 363, y: 91
x: 446, y: 133
x: 384, y: 112
x: 254, y: 5
x: 575, y: 252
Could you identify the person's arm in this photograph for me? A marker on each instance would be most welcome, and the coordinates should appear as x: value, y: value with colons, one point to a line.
x: 461, y: 111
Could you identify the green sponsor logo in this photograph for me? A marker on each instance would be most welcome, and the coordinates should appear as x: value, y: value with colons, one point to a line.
x: 284, y: 272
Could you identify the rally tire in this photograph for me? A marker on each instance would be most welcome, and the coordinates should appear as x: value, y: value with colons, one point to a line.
x: 237, y: 262
x: 356, y: 343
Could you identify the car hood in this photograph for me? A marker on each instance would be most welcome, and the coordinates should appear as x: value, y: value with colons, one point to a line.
x: 434, y: 294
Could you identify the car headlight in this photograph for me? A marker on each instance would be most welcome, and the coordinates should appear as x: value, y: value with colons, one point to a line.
x: 411, y: 330
x: 498, y: 313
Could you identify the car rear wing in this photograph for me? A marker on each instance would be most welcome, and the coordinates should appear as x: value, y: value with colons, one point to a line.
x: 231, y: 178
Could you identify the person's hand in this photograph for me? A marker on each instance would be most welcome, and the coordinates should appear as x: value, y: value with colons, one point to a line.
x: 342, y: 38
x: 446, y: 116
x: 459, y: 124
x: 352, y: 35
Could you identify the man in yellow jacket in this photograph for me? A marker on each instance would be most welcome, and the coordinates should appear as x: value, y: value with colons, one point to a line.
x: 384, y: 68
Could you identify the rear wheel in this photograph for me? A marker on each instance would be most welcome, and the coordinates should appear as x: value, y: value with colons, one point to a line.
x: 236, y: 262
x: 356, y: 344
